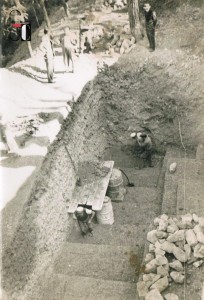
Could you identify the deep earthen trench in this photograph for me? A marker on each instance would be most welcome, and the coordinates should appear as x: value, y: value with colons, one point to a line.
x: 96, y: 129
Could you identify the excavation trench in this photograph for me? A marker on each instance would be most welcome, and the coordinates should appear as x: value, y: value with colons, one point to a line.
x: 120, y: 100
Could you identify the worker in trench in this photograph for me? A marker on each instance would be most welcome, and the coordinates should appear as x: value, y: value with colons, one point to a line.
x: 143, y: 147
x: 84, y: 218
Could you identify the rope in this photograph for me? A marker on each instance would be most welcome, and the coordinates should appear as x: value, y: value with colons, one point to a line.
x: 184, y: 188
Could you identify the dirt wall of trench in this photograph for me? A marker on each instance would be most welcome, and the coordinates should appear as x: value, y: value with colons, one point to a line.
x: 45, y: 223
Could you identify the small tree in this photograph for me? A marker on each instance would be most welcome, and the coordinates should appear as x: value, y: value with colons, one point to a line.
x: 134, y: 19
x: 45, y: 14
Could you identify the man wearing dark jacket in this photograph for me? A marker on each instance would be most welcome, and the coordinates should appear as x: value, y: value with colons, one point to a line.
x: 150, y: 23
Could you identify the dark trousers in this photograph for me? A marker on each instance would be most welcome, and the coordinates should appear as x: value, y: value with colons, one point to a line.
x: 50, y: 68
x: 85, y: 227
x: 144, y: 156
x: 150, y: 30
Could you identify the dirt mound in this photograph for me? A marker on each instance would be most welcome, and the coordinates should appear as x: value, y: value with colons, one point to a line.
x: 90, y: 171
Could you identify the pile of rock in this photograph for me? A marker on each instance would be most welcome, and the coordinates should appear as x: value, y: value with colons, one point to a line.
x: 175, y: 243
x: 115, y: 4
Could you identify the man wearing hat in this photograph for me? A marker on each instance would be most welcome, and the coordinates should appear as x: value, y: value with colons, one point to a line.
x: 46, y: 47
x: 84, y: 217
x: 143, y: 146
x: 150, y: 23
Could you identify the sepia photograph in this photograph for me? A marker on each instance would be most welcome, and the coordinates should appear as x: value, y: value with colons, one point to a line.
x: 102, y: 150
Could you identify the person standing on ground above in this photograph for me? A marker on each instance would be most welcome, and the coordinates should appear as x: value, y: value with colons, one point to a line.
x: 87, y: 46
x: 46, y: 47
x: 65, y: 5
x: 150, y: 23
x: 67, y: 49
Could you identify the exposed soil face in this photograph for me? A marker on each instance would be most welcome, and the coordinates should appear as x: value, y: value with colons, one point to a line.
x: 153, y: 91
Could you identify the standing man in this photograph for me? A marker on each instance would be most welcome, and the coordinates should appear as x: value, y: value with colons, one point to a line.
x: 87, y: 46
x: 67, y: 49
x: 150, y: 23
x: 46, y: 47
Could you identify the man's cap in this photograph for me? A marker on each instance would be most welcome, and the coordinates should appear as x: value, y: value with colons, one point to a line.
x: 79, y: 209
x: 146, y: 5
x: 133, y: 135
x: 88, y: 211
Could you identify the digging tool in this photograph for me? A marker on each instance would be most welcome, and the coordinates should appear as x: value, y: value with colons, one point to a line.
x: 78, y: 182
x: 130, y: 184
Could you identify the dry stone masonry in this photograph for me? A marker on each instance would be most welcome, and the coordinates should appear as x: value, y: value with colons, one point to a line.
x: 174, y: 244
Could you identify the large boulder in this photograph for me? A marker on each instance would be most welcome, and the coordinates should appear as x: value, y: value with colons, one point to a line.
x: 152, y: 236
x: 168, y: 247
x: 163, y: 224
x: 199, y: 251
x: 177, y: 236
x: 172, y: 228
x: 154, y: 295
x: 148, y: 257
x: 188, y: 251
x: 177, y: 277
x: 161, y: 284
x: 171, y: 296
x: 151, y: 267
x: 161, y: 260
x: 142, y: 288
x: 176, y: 265
x: 199, y: 234
x: 162, y: 271
x: 191, y: 238
x: 179, y: 254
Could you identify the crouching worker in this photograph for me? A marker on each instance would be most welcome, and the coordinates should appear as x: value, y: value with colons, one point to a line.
x: 84, y: 217
x: 144, y: 147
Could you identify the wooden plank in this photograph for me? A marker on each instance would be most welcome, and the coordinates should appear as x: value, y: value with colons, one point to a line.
x: 73, y: 203
x: 93, y: 193
x: 88, y: 193
x: 101, y: 187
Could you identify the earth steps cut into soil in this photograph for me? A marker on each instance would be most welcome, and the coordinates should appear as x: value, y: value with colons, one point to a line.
x: 113, y: 255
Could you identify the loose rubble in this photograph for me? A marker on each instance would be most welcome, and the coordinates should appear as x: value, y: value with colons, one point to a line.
x: 174, y: 244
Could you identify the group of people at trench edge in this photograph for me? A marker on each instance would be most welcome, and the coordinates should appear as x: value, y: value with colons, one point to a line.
x: 47, y: 47
x: 47, y: 44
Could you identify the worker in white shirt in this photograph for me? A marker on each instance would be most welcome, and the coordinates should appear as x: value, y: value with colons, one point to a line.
x: 143, y: 146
